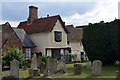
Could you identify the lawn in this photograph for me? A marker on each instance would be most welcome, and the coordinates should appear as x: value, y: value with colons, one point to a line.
x: 107, y: 72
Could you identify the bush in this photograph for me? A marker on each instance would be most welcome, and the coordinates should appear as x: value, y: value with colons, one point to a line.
x: 10, y: 54
x: 44, y: 59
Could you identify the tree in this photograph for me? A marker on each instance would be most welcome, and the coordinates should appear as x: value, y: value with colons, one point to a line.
x: 10, y: 54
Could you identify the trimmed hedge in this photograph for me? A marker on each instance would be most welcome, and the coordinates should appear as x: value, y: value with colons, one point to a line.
x: 102, y: 41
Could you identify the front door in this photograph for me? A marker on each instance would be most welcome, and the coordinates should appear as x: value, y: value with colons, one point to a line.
x: 56, y: 53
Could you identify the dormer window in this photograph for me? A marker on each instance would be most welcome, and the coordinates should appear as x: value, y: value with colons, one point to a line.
x: 58, y: 36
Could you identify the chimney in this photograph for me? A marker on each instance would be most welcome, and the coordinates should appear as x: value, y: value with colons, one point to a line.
x: 33, y: 14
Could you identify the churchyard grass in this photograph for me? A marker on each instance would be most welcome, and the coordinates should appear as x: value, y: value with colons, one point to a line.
x: 107, y: 72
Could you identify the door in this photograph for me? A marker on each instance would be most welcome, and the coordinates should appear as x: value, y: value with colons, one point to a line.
x: 56, y: 53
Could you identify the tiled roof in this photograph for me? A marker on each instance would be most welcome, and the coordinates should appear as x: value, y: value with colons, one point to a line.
x: 26, y: 41
x: 75, y: 34
x: 41, y: 25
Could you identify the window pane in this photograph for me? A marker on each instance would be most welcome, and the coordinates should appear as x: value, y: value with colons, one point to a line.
x: 58, y: 36
x: 28, y: 54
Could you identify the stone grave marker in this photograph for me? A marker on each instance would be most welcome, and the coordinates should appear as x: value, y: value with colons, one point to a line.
x: 39, y: 61
x: 33, y: 71
x: 118, y: 75
x: 78, y: 57
x: 52, y: 65
x: 89, y: 65
x: 0, y: 72
x: 96, y: 67
x: 14, y: 68
x: 42, y: 67
x: 61, y: 66
x: 77, y: 68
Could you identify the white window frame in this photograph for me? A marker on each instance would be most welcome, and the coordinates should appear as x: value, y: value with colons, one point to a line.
x: 27, y: 53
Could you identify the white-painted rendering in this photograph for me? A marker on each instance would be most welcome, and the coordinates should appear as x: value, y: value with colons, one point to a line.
x: 45, y: 40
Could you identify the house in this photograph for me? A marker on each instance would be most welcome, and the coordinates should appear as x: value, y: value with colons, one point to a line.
x: 12, y: 37
x: 49, y: 33
x: 74, y: 39
x: 27, y: 44
x: 9, y: 37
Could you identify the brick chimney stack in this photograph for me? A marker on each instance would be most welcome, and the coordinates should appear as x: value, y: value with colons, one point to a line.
x: 33, y: 14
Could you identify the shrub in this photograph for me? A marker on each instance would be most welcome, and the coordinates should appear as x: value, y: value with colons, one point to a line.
x: 10, y: 54
x: 44, y: 59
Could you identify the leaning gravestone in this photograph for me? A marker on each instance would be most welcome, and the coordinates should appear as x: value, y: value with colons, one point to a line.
x: 14, y: 68
x: 89, y: 65
x: 96, y: 67
x: 61, y: 66
x: 77, y: 68
x: 33, y: 71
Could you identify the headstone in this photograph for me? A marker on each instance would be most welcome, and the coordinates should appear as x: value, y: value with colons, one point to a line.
x: 77, y: 68
x: 0, y: 72
x: 118, y: 75
x: 61, y: 65
x: 14, y: 68
x: 39, y: 61
x: 78, y: 58
x: 33, y: 71
x: 89, y: 65
x: 52, y: 65
x: 96, y: 67
x: 34, y: 62
x: 45, y: 73
x: 42, y: 67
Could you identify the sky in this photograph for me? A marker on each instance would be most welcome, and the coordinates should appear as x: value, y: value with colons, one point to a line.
x: 76, y: 12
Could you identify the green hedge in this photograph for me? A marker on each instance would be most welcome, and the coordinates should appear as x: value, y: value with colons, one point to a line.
x: 102, y: 41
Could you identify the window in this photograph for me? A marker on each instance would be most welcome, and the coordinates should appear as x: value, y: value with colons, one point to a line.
x: 58, y: 36
x: 28, y: 54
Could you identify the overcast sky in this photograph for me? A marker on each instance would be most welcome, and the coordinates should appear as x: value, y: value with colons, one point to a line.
x: 76, y: 12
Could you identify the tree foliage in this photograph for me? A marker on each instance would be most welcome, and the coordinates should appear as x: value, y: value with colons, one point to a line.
x: 101, y: 41
x: 12, y: 53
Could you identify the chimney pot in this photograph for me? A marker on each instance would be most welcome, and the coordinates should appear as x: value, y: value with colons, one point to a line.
x: 47, y: 15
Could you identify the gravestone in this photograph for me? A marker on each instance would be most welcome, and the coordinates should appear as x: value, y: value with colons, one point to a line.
x: 61, y: 65
x: 52, y: 65
x: 33, y: 71
x: 39, y: 61
x: 77, y: 68
x: 41, y: 65
x: 78, y: 57
x: 96, y: 67
x: 14, y: 68
x: 89, y: 65
x: 45, y: 73
x: 34, y: 62
x: 0, y: 72
x: 118, y: 75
